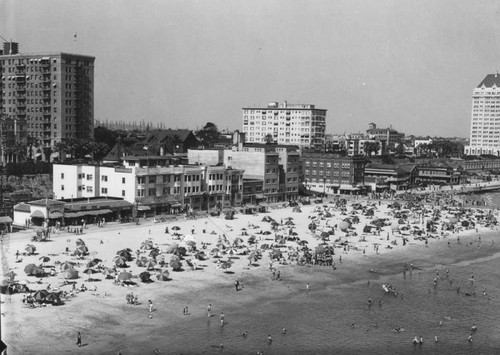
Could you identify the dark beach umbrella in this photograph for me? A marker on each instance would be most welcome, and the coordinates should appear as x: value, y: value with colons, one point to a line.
x: 325, y: 236
x: 32, y: 269
x: 163, y: 276
x: 141, y: 262
x: 176, y: 228
x: 124, y: 276
x: 225, y: 265
x: 200, y: 255
x: 215, y: 252
x: 40, y: 295
x: 125, y: 253
x: 30, y: 248
x: 172, y: 248
x: 176, y: 265
x: 161, y: 258
x: 264, y: 246
x: 93, y: 263
x: 181, y: 251
x: 53, y: 297
x: 266, y: 233
x: 154, y: 253
x: 251, y: 239
x: 145, y: 276
x: 303, y: 242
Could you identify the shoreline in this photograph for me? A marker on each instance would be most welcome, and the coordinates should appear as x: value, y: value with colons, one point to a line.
x: 196, y: 289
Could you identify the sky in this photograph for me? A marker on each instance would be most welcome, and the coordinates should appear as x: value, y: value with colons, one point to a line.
x: 407, y: 64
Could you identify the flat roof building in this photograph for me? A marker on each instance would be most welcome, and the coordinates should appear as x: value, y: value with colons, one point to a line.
x: 52, y: 92
x: 295, y: 124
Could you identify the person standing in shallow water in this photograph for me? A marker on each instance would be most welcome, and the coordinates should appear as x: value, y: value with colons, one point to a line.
x: 79, y: 340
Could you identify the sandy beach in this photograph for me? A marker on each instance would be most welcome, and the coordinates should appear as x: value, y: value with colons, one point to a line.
x: 110, y: 326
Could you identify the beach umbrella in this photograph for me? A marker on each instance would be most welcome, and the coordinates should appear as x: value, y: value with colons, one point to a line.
x: 151, y: 264
x: 176, y: 265
x: 276, y: 254
x: 395, y: 226
x: 181, y: 251
x: 189, y: 237
x: 176, y: 228
x: 70, y: 274
x: 320, y: 249
x: 154, y: 253
x: 93, y: 262
x: 251, y: 239
x: 124, y: 276
x: 238, y: 241
x: 225, y: 265
x: 146, y: 245
x: 344, y: 225
x: 163, y: 276
x: 120, y: 261
x: 215, y: 252
x: 145, y: 276
x: 53, y: 297
x: 125, y: 253
x: 303, y: 242
x: 44, y: 259
x: 40, y: 295
x: 30, y: 248
x: 289, y: 223
x: 81, y: 250
x: 80, y: 241
x: 90, y: 272
x: 200, y: 255
x: 191, y: 243
x: 33, y: 270
x: 325, y: 235
x: 108, y: 272
x: 289, y: 218
x: 172, y: 248
x: 465, y: 223
x: 253, y: 256
x: 67, y: 265
x: 141, y: 262
x: 264, y: 246
x: 266, y: 232
x: 220, y: 244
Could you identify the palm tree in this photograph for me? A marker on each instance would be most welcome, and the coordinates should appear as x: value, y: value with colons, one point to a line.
x: 371, y: 147
x: 61, y: 148
x: 32, y: 142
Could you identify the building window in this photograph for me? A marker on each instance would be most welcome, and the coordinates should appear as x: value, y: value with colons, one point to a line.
x: 123, y: 180
x: 62, y: 175
x: 89, y: 176
x: 62, y: 187
x: 140, y: 193
x: 152, y: 179
x: 104, y: 190
x: 123, y: 193
x: 152, y: 191
x: 90, y: 189
x: 166, y: 190
x: 104, y: 178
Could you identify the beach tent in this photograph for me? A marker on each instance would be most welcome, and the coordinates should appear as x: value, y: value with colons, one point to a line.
x: 67, y: 265
x: 200, y: 255
x: 124, y: 276
x: 40, y: 295
x: 90, y: 272
x: 30, y: 249
x: 120, y: 261
x: 79, y: 242
x: 70, y: 274
x: 176, y: 265
x: 33, y: 270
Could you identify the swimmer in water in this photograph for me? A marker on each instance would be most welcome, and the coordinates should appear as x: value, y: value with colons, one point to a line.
x: 469, y: 338
x: 436, y: 339
x: 245, y: 334
x: 421, y: 341
x: 440, y: 323
x: 473, y: 328
x: 269, y: 339
x: 352, y: 325
x: 415, y: 340
x: 283, y: 331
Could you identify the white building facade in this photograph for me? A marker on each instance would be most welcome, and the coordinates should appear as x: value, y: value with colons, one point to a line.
x: 485, y: 120
x: 292, y: 124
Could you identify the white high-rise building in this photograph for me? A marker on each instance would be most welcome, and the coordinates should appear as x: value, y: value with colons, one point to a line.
x: 294, y: 124
x: 485, y: 120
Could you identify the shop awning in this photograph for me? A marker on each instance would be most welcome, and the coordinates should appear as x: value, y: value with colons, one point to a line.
x: 143, y: 208
x: 348, y: 187
x: 37, y: 214
x: 260, y: 196
x: 55, y: 214
x: 175, y: 205
x: 104, y: 211
x: 5, y: 219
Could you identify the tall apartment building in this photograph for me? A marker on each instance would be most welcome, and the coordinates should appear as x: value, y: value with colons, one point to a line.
x: 52, y: 92
x: 296, y: 124
x: 388, y: 136
x: 485, y: 120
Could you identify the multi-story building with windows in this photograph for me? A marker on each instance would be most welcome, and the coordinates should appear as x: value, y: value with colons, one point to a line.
x: 163, y: 187
x: 389, y: 137
x: 332, y: 173
x: 485, y: 120
x: 52, y: 92
x: 295, y: 124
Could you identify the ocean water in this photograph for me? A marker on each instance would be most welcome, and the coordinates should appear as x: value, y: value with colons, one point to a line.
x: 321, y: 323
